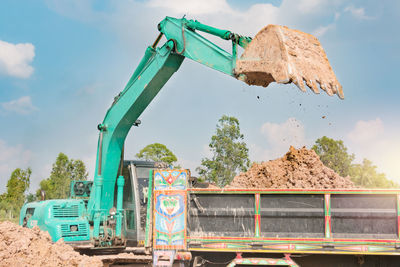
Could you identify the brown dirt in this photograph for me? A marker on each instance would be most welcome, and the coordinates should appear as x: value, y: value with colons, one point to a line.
x: 21, y: 246
x: 299, y: 168
x: 282, y: 55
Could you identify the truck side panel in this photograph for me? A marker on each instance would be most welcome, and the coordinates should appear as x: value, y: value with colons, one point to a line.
x: 294, y: 221
x: 298, y: 216
x: 221, y: 215
x: 364, y: 216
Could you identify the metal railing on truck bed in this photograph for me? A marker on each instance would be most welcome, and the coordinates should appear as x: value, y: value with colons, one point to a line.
x: 294, y: 221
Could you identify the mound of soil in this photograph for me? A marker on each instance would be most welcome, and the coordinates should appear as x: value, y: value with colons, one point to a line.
x: 21, y: 246
x: 299, y: 168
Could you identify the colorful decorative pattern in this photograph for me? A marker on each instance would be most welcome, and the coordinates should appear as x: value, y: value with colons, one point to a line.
x: 170, y: 209
x: 272, y: 246
x: 257, y: 216
x: 170, y: 179
x: 398, y: 216
x: 293, y: 191
x: 327, y: 208
x: 227, y: 245
x: 287, y: 261
x: 389, y: 242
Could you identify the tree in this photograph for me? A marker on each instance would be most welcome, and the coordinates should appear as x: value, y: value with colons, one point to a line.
x: 31, y: 197
x: 12, y: 201
x: 64, y: 170
x: 334, y: 154
x: 230, y: 153
x: 157, y: 152
x: 17, y: 185
x: 365, y: 175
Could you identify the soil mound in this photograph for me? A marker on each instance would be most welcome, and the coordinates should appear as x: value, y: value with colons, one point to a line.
x: 299, y: 168
x: 21, y: 246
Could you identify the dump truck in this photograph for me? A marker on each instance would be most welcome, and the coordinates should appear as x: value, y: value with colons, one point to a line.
x: 166, y: 220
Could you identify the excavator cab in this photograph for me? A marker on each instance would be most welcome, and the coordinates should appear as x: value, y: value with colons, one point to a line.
x: 136, y: 174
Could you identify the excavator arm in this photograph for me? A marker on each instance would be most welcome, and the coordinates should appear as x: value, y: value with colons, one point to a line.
x: 154, y: 70
x: 273, y: 56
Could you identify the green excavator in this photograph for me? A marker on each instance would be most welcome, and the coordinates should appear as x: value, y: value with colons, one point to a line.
x: 110, y: 216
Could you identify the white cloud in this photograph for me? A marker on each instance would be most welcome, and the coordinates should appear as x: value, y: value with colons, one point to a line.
x: 12, y: 157
x: 320, y: 31
x: 279, y: 136
x: 366, y: 131
x: 290, y: 132
x: 303, y: 15
x: 309, y: 6
x: 194, y: 7
x: 219, y: 13
x: 371, y: 140
x: 15, y: 59
x: 21, y: 105
x: 358, y: 13
x: 76, y: 9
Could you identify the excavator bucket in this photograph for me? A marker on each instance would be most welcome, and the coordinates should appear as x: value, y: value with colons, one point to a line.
x: 282, y: 55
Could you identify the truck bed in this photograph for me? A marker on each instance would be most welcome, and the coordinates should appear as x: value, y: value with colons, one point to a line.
x: 293, y: 221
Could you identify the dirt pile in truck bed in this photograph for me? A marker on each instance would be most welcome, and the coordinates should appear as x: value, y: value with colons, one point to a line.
x: 299, y: 168
x: 21, y: 246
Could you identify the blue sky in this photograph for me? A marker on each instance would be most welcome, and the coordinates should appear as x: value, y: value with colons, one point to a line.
x: 62, y: 62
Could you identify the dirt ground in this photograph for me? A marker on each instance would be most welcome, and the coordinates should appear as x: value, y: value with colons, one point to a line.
x: 21, y: 246
x: 298, y: 168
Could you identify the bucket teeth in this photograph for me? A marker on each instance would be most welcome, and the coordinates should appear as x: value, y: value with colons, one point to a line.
x: 282, y: 55
x: 326, y: 89
x: 339, y: 90
x: 298, y: 81
x: 313, y: 85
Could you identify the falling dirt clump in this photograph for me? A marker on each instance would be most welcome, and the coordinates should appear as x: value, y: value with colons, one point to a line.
x: 299, y: 168
x: 21, y: 246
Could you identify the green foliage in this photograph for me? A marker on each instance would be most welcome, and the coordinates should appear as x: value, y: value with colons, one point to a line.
x: 12, y: 201
x: 31, y: 197
x: 366, y: 175
x: 157, y: 152
x: 64, y: 170
x: 230, y: 153
x: 334, y: 154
